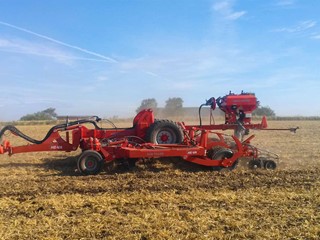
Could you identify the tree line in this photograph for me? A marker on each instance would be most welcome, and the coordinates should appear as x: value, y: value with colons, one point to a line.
x: 173, y: 107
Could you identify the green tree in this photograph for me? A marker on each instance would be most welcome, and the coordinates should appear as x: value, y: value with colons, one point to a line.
x: 264, y: 111
x: 47, y: 114
x: 174, y: 106
x: 148, y: 103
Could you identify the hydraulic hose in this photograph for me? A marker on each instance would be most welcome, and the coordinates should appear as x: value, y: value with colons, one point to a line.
x: 199, y: 111
x: 17, y: 132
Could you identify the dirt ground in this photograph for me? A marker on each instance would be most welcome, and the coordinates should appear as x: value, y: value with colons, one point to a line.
x: 42, y: 196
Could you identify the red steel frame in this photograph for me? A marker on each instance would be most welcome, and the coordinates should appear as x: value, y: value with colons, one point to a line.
x: 193, y: 149
x: 127, y: 143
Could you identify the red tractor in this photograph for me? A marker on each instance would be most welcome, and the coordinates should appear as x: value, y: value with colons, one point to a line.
x: 150, y: 138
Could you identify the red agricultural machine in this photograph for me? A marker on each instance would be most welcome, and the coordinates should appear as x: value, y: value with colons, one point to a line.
x: 151, y: 138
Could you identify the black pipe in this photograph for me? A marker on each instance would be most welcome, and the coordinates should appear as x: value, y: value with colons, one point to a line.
x: 200, y: 120
x: 17, y: 132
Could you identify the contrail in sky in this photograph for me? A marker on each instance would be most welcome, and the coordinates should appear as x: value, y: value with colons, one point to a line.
x: 59, y: 42
x: 54, y: 56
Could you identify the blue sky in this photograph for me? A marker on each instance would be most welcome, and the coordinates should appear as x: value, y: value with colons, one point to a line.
x: 103, y: 57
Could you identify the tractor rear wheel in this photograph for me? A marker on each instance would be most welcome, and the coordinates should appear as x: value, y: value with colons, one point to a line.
x: 90, y: 162
x: 164, y: 132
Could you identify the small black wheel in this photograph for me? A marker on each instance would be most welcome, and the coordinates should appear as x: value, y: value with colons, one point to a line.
x: 220, y: 153
x: 90, y: 162
x: 132, y: 163
x: 270, y: 165
x: 164, y: 132
x: 254, y: 164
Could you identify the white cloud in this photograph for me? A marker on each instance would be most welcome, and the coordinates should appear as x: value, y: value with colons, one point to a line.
x: 317, y: 36
x: 184, y: 85
x: 300, y: 27
x: 235, y: 15
x: 31, y: 48
x: 193, y: 67
x: 226, y: 9
x: 285, y: 3
x: 4, y: 43
x: 102, y: 78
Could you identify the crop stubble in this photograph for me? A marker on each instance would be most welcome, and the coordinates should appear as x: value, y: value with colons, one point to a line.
x: 42, y: 197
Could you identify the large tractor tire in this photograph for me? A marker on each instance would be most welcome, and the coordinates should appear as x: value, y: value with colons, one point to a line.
x: 164, y: 132
x: 90, y: 162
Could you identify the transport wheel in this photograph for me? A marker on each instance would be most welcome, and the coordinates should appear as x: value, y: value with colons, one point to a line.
x: 90, y: 162
x: 269, y: 164
x: 254, y: 164
x: 164, y: 132
x: 221, y: 153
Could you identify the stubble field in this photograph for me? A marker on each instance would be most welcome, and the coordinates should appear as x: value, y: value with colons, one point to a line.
x: 43, y: 197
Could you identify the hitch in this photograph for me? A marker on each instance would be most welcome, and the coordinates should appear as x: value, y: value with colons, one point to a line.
x: 293, y: 130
